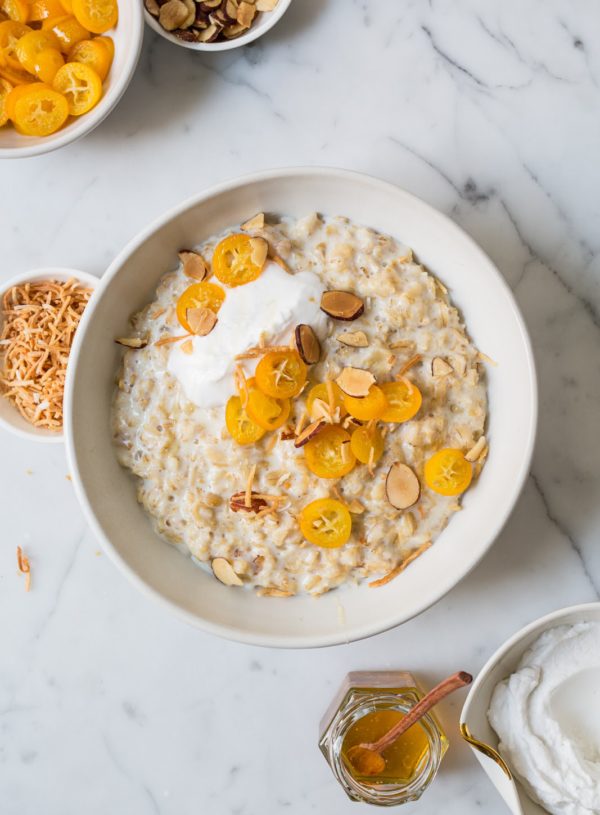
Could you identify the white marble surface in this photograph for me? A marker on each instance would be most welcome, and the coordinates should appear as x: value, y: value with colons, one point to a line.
x: 491, y: 112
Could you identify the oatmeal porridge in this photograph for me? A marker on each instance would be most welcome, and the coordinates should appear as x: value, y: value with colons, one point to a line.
x: 301, y: 405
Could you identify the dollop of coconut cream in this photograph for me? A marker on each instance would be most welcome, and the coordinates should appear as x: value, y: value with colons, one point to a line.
x: 547, y: 715
x: 268, y: 308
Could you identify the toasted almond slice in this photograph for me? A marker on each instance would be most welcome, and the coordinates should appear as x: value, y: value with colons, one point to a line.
x: 355, y: 507
x: 259, y: 251
x: 194, y: 265
x: 476, y: 450
x: 265, y: 5
x: 355, y: 381
x: 132, y: 342
x: 201, y: 320
x: 402, y: 486
x: 342, y: 305
x: 308, y: 433
x: 172, y: 14
x: 288, y: 433
x: 439, y: 367
x: 223, y: 571
x: 187, y: 347
x: 459, y: 363
x: 307, y: 343
x: 256, y: 222
x: 153, y: 7
x: 355, y: 339
x: 245, y: 14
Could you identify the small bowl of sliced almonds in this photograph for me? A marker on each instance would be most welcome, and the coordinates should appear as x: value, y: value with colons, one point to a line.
x: 39, y: 314
x: 213, y: 25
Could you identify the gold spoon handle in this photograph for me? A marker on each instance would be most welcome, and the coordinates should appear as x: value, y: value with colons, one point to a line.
x: 435, y: 695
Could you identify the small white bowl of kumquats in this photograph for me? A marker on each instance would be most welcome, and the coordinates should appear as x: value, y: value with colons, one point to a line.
x: 64, y: 65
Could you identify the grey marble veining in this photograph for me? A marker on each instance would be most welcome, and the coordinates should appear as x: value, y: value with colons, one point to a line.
x: 491, y: 112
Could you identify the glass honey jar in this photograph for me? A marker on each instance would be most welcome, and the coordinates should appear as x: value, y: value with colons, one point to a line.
x: 368, y: 704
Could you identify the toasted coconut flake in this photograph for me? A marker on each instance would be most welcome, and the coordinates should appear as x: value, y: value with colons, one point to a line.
x: 307, y: 344
x: 271, y: 442
x: 249, y: 483
x: 410, y: 364
x: 260, y: 350
x: 132, y: 342
x: 38, y: 326
x: 355, y: 381
x: 400, y: 567
x: 24, y: 567
x: 169, y: 340
x: 484, y: 358
x: 201, y: 320
x: 256, y: 222
x: 355, y: 507
x: 309, y: 432
x: 241, y: 384
x: 459, y: 363
x: 259, y: 251
x: 194, y: 265
x: 300, y: 423
x: 440, y: 368
x: 187, y: 347
x: 272, y: 592
x: 407, y: 345
x: 402, y: 487
x: 342, y: 305
x: 355, y: 339
x: 476, y: 450
x: 223, y: 571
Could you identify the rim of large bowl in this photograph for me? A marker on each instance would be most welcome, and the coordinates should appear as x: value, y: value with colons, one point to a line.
x: 358, y: 632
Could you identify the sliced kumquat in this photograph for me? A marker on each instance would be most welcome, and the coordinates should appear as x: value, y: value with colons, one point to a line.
x: 328, y: 454
x: 232, y: 262
x: 67, y: 6
x: 367, y: 444
x: 404, y: 400
x: 5, y: 89
x: 97, y: 16
x: 326, y: 522
x: 43, y: 9
x: 81, y: 86
x: 241, y: 427
x: 281, y: 374
x: 10, y: 34
x: 47, y: 64
x: 93, y: 53
x: 30, y: 45
x: 109, y: 44
x: 318, y: 401
x: 16, y: 76
x: 16, y: 93
x: 199, y: 295
x: 68, y: 30
x: 448, y: 472
x: 41, y: 111
x: 371, y: 406
x: 15, y: 10
x: 266, y: 411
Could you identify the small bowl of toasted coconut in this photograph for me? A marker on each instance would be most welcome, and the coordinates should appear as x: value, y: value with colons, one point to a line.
x: 213, y: 25
x: 39, y: 314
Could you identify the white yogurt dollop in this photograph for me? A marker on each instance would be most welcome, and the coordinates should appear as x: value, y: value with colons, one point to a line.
x: 270, y: 307
x: 547, y: 715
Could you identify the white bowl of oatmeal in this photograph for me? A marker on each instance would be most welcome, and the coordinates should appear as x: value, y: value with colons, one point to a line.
x: 154, y: 460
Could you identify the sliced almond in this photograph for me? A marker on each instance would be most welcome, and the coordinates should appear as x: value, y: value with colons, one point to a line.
x: 230, y: 8
x: 153, y: 7
x: 355, y: 339
x: 172, y: 14
x: 265, y: 5
x: 476, y: 450
x: 194, y: 265
x: 223, y: 571
x: 230, y: 32
x: 256, y: 222
x: 238, y: 503
x: 288, y: 433
x: 245, y: 14
x: 187, y: 347
x: 259, y: 251
x: 342, y: 305
x: 355, y: 381
x: 439, y: 367
x: 191, y: 7
x: 402, y: 486
x: 355, y: 507
x: 201, y: 320
x: 132, y: 342
x: 210, y: 33
x: 308, y: 433
x: 308, y: 344
x: 459, y: 363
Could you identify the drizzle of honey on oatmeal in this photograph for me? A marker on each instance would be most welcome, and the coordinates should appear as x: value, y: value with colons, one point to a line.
x: 403, y: 758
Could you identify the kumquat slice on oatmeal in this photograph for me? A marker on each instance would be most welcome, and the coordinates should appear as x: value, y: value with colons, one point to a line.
x: 325, y: 399
x: 329, y: 453
x: 281, y: 374
x: 199, y: 295
x: 367, y: 444
x: 265, y: 411
x: 371, y: 406
x: 404, y: 400
x: 326, y: 522
x: 448, y: 472
x: 241, y: 427
x: 239, y: 259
